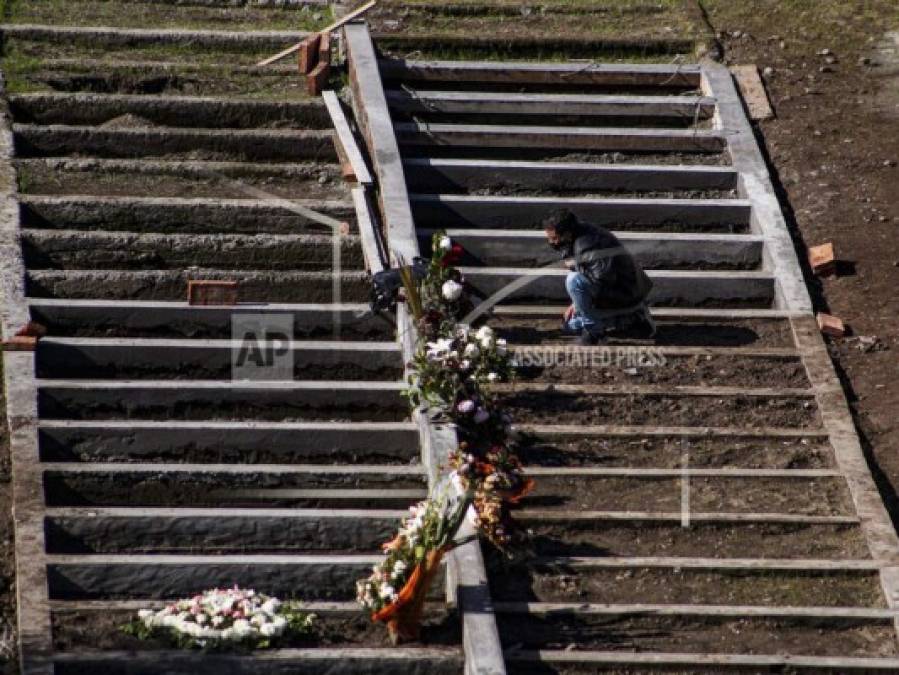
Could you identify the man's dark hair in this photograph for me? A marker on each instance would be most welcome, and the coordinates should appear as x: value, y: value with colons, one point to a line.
x: 560, y: 220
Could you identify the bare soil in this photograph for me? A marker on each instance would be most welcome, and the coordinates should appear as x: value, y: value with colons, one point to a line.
x: 732, y: 371
x: 825, y: 496
x: 671, y: 332
x: 701, y: 634
x: 653, y: 452
x: 50, y: 180
x: 746, y: 411
x: 711, y: 540
x: 95, y: 631
x: 684, y: 586
x: 223, y: 490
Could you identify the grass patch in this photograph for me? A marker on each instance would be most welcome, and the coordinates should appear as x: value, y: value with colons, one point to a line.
x: 161, y: 15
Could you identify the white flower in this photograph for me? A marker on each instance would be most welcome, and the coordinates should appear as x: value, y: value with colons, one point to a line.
x: 472, y: 351
x: 269, y: 630
x: 242, y: 628
x: 271, y: 606
x: 218, y: 620
x: 444, y: 243
x: 465, y: 407
x: 492, y: 377
x: 145, y: 614
x: 484, y: 332
x: 464, y: 365
x: 201, y: 618
x: 451, y: 290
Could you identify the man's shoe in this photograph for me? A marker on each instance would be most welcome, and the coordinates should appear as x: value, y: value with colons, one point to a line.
x: 588, y: 339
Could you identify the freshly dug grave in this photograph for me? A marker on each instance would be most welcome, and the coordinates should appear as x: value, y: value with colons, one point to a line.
x: 190, y: 452
x: 711, y: 540
x: 100, y: 631
x: 671, y: 332
x: 568, y: 367
x: 823, y: 496
x: 299, y: 411
x: 211, y: 81
x: 322, y: 182
x: 180, y: 371
x: 700, y: 634
x: 210, y: 489
x: 669, y: 452
x: 551, y: 407
x: 562, y: 583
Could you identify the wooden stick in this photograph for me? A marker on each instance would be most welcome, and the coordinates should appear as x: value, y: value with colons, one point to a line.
x: 334, y: 26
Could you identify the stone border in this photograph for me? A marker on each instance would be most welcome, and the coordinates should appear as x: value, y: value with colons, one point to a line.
x: 33, y: 612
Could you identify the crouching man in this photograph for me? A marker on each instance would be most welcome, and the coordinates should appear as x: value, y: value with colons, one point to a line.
x: 608, y: 289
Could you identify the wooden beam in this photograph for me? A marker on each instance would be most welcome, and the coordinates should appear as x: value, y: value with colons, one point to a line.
x: 373, y: 117
x: 508, y: 103
x: 508, y: 212
x: 346, y: 139
x: 560, y: 138
x: 432, y: 174
x: 753, y: 91
x: 673, y: 76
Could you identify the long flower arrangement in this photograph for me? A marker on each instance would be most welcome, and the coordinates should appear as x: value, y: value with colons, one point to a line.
x: 451, y: 373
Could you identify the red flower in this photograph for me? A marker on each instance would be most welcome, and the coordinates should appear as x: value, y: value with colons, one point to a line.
x: 453, y: 256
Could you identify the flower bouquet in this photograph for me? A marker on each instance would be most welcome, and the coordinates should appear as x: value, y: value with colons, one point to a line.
x: 395, y: 591
x: 221, y: 618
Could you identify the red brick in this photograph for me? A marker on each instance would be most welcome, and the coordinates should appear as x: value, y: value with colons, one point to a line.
x: 32, y: 329
x: 324, y: 48
x: 307, y: 56
x: 317, y: 79
x: 822, y: 259
x: 206, y: 292
x: 831, y: 325
x: 20, y: 343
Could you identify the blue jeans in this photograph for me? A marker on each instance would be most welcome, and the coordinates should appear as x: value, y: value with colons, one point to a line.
x: 586, y: 317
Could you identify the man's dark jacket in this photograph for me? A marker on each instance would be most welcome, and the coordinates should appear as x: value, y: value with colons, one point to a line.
x: 618, y: 280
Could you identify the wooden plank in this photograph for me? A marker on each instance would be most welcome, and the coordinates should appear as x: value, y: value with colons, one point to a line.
x: 567, y: 138
x: 622, y: 431
x: 691, y: 288
x: 308, y: 54
x: 510, y: 103
x: 334, y: 26
x: 653, y: 473
x: 431, y: 174
x: 651, y: 250
x: 674, y: 75
x: 546, y: 516
x: 374, y: 119
x: 676, y: 562
x: 838, y: 664
x: 753, y: 91
x: 346, y: 139
x: 672, y: 313
x: 747, y: 611
x: 507, y: 212
x: 652, y: 390
x: 371, y: 237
